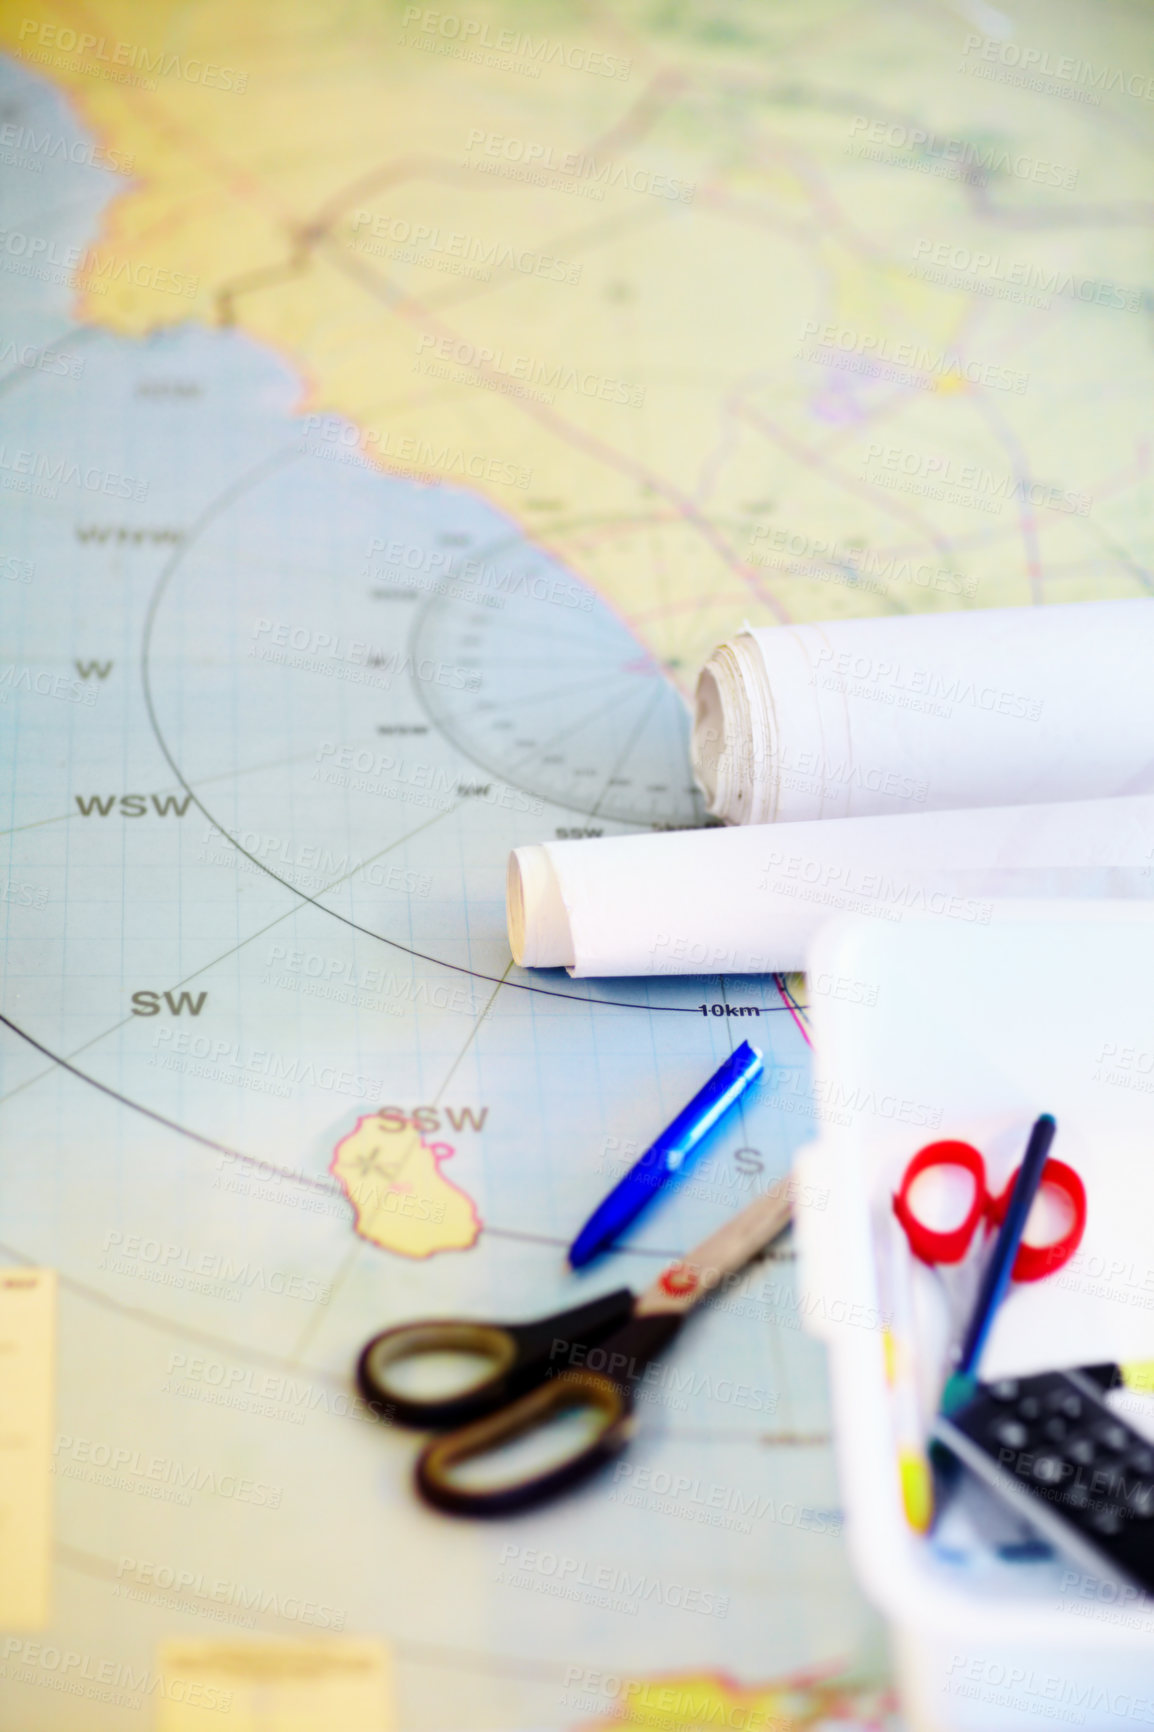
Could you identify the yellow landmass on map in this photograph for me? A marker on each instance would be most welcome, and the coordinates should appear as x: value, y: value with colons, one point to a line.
x: 624, y: 272
x: 401, y: 1199
x: 706, y: 1701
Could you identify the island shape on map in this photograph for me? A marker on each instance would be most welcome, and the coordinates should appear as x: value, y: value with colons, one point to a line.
x: 400, y: 1197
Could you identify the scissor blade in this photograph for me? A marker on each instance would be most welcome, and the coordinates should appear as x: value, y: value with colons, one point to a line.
x: 679, y: 1287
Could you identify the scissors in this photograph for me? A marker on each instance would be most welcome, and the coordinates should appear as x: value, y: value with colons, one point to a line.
x: 586, y: 1361
x: 935, y: 1246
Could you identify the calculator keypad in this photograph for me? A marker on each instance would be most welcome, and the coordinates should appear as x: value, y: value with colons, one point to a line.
x: 1088, y: 1476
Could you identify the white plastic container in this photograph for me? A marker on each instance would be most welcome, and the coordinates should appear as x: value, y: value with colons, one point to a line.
x: 934, y: 1029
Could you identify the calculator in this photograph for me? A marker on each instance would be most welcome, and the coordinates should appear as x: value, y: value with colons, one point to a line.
x: 1053, y: 1449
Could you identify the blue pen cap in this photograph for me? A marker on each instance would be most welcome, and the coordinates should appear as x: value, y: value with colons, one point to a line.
x: 711, y: 1103
x: 667, y: 1154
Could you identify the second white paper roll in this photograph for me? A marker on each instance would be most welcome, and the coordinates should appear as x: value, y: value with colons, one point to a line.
x: 748, y: 900
x: 926, y: 712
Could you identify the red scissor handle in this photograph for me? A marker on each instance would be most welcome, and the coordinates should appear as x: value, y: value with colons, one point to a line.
x: 1035, y: 1261
x: 927, y: 1243
x: 1032, y: 1262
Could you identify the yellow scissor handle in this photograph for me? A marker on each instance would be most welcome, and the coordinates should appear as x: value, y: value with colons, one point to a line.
x: 494, y: 1346
x: 573, y: 1391
x: 513, y: 1357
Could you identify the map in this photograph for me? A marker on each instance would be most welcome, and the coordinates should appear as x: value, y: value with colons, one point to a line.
x: 396, y: 407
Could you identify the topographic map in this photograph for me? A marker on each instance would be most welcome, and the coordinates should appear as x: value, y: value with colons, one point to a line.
x: 396, y: 407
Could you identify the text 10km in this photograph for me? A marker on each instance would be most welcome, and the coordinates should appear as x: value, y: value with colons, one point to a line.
x: 729, y: 1009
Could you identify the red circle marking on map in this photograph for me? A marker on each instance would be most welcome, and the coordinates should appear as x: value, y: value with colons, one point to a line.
x: 678, y: 1281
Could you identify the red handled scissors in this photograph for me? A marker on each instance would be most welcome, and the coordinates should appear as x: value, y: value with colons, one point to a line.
x: 937, y: 1246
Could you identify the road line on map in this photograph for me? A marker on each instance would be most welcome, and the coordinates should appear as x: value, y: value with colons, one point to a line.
x: 568, y: 432
x: 793, y: 1007
x: 809, y: 458
x: 268, y: 276
x: 463, y: 290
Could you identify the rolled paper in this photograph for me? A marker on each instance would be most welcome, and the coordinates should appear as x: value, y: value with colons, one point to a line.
x: 991, y: 707
x: 748, y: 900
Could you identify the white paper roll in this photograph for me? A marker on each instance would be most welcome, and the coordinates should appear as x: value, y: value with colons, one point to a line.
x: 748, y: 900
x: 926, y: 712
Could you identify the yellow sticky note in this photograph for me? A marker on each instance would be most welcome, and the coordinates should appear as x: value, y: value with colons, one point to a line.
x: 27, y: 1401
x: 272, y: 1686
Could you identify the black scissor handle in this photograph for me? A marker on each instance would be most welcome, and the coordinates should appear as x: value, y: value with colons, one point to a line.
x: 516, y: 1355
x: 608, y: 1395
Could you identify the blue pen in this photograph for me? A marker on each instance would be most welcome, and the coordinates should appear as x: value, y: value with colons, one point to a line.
x: 667, y: 1155
x: 962, y: 1383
